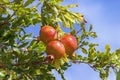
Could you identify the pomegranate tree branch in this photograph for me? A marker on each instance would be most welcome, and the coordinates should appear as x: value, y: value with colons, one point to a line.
x: 20, y: 64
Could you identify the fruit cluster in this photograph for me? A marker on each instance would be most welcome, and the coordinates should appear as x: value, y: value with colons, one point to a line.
x: 57, y: 47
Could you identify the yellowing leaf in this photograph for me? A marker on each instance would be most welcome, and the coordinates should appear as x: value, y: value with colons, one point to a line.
x: 65, y: 59
x: 38, y: 71
x: 69, y: 17
x: 57, y: 63
x: 107, y: 47
x: 72, y: 5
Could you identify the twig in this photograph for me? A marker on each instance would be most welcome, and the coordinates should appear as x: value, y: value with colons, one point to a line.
x: 79, y: 31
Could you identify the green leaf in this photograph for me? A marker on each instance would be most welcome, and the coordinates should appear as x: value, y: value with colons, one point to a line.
x: 37, y: 71
x: 118, y: 51
x: 23, y: 45
x: 55, y: 10
x: 28, y: 2
x: 91, y: 27
x: 80, y: 18
x: 93, y: 34
x: 17, y: 50
x: 65, y: 22
x: 4, y: 1
x: 2, y: 74
x: 107, y: 47
x: 84, y: 50
x: 69, y: 17
x: 85, y: 43
x: 42, y: 0
x: 118, y: 75
x: 55, y: 1
x: 73, y: 32
x: 26, y: 36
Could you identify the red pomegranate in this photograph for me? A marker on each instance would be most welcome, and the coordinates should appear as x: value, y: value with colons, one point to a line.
x: 48, y: 33
x: 55, y: 48
x: 70, y: 43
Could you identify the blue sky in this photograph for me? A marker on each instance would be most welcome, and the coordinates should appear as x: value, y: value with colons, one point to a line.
x: 104, y: 15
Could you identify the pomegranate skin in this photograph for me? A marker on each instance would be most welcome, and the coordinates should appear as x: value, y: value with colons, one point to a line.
x: 48, y: 33
x: 55, y: 48
x: 70, y: 43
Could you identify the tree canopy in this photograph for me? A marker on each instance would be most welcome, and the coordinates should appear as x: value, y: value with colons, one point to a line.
x: 23, y: 56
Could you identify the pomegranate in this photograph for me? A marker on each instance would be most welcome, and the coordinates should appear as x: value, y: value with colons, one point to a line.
x: 70, y: 43
x: 55, y: 48
x: 47, y: 33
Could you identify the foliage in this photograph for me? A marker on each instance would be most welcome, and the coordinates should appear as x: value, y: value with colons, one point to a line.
x: 22, y: 57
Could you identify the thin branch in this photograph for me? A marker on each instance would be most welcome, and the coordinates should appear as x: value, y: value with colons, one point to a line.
x: 19, y: 64
x: 78, y: 31
x: 85, y: 62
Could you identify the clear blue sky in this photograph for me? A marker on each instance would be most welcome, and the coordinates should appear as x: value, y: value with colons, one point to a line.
x: 104, y: 15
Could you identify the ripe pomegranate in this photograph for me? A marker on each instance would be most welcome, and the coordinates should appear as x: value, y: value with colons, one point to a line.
x: 70, y: 43
x: 47, y: 33
x: 55, y: 48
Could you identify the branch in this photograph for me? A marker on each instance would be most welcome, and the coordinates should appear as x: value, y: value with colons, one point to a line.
x: 85, y: 62
x: 3, y: 66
